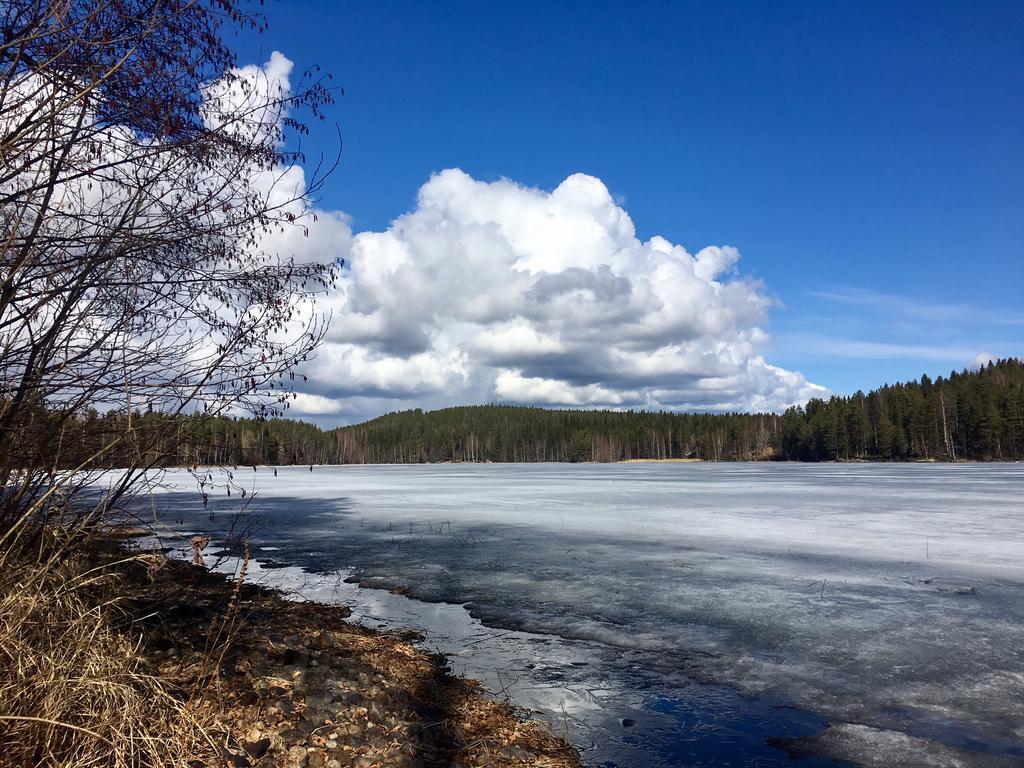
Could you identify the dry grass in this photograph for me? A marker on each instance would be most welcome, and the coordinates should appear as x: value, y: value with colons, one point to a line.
x: 224, y: 666
x: 74, y: 689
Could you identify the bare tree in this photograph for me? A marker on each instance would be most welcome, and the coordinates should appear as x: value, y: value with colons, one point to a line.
x: 143, y: 179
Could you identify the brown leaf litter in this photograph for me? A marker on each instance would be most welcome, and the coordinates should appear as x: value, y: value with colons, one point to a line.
x: 294, y: 684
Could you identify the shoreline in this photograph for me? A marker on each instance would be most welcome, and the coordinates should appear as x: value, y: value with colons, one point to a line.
x: 655, y: 461
x: 827, y: 462
x: 300, y: 686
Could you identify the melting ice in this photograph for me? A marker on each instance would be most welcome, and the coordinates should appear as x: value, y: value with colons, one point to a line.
x: 885, y: 598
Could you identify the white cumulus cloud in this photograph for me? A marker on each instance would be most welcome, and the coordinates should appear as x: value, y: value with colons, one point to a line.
x: 498, y: 292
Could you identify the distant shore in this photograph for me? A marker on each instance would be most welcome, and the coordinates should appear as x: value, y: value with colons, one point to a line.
x: 658, y: 461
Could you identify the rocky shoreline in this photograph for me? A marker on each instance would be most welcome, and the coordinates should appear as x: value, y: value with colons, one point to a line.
x: 295, y: 685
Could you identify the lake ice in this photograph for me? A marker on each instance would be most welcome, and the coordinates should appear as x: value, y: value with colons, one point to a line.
x: 883, y: 596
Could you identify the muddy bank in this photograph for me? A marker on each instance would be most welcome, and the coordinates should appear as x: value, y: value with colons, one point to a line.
x: 294, y: 684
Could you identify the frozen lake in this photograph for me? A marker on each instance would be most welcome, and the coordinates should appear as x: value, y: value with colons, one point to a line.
x: 887, y: 600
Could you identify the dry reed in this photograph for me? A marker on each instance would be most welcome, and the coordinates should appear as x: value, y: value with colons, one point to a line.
x: 75, y: 690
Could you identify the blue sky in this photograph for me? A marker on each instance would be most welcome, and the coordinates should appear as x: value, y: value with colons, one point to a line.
x: 866, y: 159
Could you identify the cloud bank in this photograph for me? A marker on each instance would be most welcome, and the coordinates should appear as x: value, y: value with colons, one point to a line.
x: 497, y: 292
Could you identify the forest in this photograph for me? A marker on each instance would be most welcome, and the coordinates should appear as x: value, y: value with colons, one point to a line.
x: 970, y: 415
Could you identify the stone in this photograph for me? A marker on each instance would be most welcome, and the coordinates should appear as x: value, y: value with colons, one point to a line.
x: 294, y: 736
x: 519, y: 754
x: 284, y: 705
x: 235, y: 759
x: 295, y: 657
x: 297, y: 757
x: 318, y: 700
x: 256, y: 749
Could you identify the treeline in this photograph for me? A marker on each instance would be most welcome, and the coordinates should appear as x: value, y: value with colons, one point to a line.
x: 514, y: 433
x: 152, y: 439
x: 470, y: 433
x: 975, y: 415
x: 971, y: 415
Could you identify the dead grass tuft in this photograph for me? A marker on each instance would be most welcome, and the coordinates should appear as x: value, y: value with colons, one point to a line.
x: 75, y: 690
